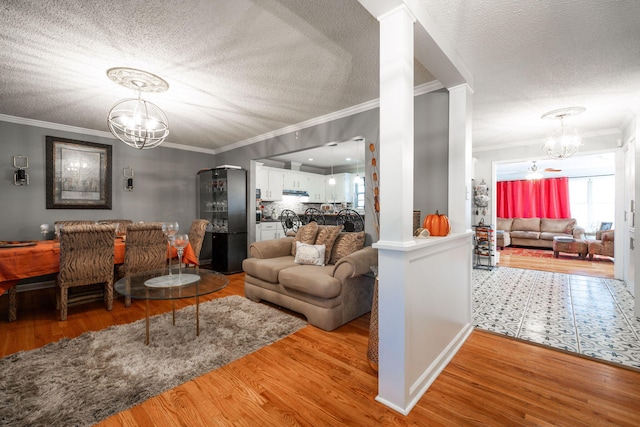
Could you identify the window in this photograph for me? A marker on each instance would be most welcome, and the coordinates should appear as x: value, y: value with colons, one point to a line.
x: 592, y: 200
x: 360, y: 189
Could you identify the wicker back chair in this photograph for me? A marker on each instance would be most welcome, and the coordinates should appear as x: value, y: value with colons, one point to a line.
x: 74, y: 222
x: 196, y: 235
x: 86, y: 258
x: 146, y: 250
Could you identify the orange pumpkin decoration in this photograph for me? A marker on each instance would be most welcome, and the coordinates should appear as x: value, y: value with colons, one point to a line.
x: 438, y: 225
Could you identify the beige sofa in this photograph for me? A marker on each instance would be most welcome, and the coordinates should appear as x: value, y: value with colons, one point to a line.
x: 328, y: 296
x: 536, y: 232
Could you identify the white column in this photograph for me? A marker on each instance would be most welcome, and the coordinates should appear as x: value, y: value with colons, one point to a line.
x: 396, y: 200
x: 396, y: 126
x: 460, y: 191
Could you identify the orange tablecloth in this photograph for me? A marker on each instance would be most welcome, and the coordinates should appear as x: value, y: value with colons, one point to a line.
x: 44, y: 258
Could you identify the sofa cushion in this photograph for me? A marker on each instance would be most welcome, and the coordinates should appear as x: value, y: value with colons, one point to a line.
x: 267, y: 269
x: 565, y: 225
x: 310, y: 254
x: 312, y: 280
x: 504, y: 224
x: 327, y: 235
x: 525, y: 224
x: 346, y: 244
x: 533, y: 235
x: 545, y: 235
x: 306, y: 234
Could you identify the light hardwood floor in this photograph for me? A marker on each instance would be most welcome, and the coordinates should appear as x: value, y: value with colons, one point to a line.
x: 314, y: 378
x: 602, y: 267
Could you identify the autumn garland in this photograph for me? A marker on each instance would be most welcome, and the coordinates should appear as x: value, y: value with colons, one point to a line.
x: 375, y: 188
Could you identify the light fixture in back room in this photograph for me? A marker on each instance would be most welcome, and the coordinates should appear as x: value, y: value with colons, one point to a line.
x: 332, y: 180
x: 135, y: 121
x: 564, y: 141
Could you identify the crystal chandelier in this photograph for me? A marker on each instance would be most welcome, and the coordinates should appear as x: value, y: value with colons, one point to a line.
x: 135, y: 121
x: 564, y: 141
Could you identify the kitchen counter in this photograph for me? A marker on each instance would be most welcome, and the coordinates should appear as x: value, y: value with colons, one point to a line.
x: 330, y: 218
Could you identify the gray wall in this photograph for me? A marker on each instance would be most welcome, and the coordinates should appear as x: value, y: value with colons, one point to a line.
x: 164, y: 180
x: 431, y: 151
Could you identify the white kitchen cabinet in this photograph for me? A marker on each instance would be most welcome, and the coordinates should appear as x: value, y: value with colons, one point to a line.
x: 295, y: 180
x: 317, y: 192
x: 270, y: 230
x: 270, y: 182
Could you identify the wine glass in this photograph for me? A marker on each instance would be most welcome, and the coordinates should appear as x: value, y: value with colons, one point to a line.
x: 170, y: 229
x: 180, y: 241
x: 44, y: 229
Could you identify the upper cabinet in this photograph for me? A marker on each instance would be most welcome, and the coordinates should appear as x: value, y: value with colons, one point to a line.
x: 270, y: 182
x: 295, y: 180
x: 316, y: 188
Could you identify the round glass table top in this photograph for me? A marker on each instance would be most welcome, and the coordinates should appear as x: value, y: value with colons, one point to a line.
x: 160, y: 285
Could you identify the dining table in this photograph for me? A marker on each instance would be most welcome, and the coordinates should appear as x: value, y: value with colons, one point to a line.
x: 23, y: 260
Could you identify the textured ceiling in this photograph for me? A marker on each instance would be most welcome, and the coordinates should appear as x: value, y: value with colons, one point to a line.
x: 239, y: 69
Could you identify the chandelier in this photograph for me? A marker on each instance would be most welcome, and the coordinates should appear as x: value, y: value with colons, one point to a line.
x: 564, y: 141
x: 135, y: 121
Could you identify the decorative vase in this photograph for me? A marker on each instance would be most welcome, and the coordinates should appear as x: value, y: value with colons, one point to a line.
x: 372, y: 350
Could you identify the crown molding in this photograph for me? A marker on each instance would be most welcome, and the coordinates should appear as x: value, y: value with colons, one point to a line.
x: 539, y: 141
x: 93, y: 132
x: 365, y: 106
x: 360, y: 108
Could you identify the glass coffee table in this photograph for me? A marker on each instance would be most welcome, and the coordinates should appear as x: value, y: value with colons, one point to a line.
x: 160, y: 285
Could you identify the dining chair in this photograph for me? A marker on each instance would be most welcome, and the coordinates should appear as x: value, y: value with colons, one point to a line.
x: 146, y: 250
x: 290, y: 222
x: 86, y: 258
x: 313, y: 214
x: 196, y: 236
x: 350, y: 220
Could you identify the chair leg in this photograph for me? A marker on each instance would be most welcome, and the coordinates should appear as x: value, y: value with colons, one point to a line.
x: 108, y: 296
x: 63, y: 303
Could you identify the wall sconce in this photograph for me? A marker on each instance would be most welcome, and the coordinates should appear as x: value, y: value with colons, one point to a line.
x: 20, y: 176
x: 128, y: 178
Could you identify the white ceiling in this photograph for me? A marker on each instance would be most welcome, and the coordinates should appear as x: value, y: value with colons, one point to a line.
x: 240, y: 69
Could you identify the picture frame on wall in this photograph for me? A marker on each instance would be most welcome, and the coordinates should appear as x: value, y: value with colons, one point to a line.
x: 78, y: 174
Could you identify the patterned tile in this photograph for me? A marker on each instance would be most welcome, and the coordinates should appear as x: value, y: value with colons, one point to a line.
x: 587, y: 315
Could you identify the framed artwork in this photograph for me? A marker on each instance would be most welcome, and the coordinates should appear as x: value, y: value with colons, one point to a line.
x: 78, y: 174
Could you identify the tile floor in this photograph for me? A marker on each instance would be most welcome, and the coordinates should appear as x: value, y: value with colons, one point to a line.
x: 587, y: 315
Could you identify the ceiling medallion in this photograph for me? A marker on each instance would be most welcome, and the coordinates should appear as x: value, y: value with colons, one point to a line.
x: 564, y: 141
x: 134, y: 121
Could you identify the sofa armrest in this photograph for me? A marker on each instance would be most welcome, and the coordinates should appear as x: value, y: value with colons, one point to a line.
x: 578, y: 233
x: 271, y: 248
x: 355, y: 264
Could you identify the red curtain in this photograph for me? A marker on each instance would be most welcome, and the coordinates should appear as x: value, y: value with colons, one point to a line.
x: 538, y: 198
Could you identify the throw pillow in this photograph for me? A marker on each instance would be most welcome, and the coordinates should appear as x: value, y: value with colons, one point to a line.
x: 306, y: 234
x: 327, y: 235
x: 346, y: 244
x: 310, y: 254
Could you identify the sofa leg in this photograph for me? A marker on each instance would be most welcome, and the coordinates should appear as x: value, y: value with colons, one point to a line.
x: 555, y: 254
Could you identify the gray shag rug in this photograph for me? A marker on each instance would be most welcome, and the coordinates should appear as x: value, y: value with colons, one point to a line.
x: 80, y: 381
